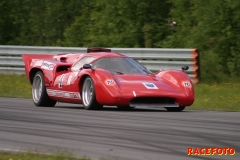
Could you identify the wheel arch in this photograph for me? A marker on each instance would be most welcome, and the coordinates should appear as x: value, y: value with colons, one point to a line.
x: 32, y: 74
x: 92, y: 103
x: 81, y: 81
x: 39, y: 91
x: 103, y: 93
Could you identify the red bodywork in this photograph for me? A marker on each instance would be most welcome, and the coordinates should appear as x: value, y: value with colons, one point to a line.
x: 170, y: 87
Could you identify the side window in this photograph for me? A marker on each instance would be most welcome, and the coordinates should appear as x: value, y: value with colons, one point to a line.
x: 81, y: 62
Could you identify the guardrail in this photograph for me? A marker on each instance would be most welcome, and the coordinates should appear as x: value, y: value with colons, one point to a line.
x: 154, y: 59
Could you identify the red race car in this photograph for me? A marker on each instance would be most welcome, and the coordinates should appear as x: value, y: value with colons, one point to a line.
x: 100, y: 77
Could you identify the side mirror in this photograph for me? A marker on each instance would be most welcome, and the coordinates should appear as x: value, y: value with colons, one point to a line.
x: 185, y: 68
x: 87, y: 66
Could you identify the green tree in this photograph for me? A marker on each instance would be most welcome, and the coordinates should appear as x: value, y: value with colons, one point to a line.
x: 58, y: 16
x: 125, y: 23
x: 213, y: 28
x: 8, y: 28
x: 28, y: 22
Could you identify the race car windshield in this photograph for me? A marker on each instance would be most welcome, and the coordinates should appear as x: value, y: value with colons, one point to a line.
x: 120, y: 66
x: 81, y: 62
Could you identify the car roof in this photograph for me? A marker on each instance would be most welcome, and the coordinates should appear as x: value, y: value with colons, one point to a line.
x: 104, y: 54
x: 74, y: 57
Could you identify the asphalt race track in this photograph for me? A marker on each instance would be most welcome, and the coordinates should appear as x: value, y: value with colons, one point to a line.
x: 138, y: 134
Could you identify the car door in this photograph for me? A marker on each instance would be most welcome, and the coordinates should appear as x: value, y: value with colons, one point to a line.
x: 66, y: 84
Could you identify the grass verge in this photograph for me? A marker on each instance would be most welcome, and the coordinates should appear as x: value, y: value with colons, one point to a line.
x: 218, y: 97
x: 33, y: 156
x: 15, y: 86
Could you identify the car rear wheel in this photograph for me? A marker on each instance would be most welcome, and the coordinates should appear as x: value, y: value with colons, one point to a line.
x: 175, y: 109
x: 89, y: 95
x: 39, y: 93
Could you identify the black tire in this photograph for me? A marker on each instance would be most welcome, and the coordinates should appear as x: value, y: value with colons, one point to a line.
x: 89, y: 95
x: 39, y: 93
x: 175, y: 109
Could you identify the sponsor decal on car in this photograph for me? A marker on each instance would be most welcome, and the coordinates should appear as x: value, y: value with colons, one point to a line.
x: 134, y: 93
x: 150, y: 85
x: 48, y: 65
x: 186, y: 84
x: 63, y: 94
x: 110, y: 82
x: 74, y: 95
x: 61, y: 80
x: 38, y: 63
x: 210, y: 151
x: 69, y: 80
x: 59, y: 94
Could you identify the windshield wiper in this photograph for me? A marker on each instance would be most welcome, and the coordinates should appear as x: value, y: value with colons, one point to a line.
x: 146, y: 71
x: 116, y: 71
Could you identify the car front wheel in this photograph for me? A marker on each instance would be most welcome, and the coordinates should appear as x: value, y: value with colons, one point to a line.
x: 89, y: 95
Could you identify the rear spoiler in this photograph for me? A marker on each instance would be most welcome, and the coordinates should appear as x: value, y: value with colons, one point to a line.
x: 28, y: 58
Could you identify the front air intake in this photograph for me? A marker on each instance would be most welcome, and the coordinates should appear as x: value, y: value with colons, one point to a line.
x: 156, y: 101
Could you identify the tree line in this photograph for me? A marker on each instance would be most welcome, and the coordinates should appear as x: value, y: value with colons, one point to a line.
x: 212, y: 26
